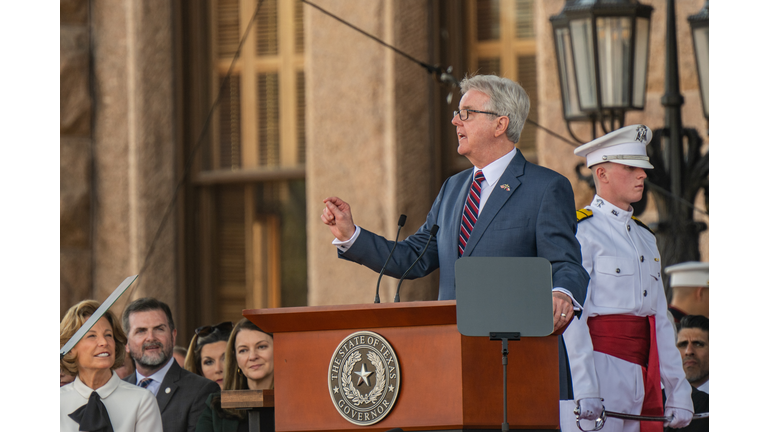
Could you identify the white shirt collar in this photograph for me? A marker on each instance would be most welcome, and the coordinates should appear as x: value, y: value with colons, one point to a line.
x: 493, y: 171
x: 704, y: 387
x: 103, y: 391
x: 610, y: 210
x: 157, y: 377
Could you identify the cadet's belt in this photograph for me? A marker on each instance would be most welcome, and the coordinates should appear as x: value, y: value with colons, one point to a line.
x: 633, y: 338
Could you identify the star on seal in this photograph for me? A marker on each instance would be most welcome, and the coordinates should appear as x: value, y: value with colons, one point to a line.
x: 363, y: 374
x: 371, y: 358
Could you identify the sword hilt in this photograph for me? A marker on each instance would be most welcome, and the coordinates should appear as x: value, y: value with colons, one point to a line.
x: 599, y: 423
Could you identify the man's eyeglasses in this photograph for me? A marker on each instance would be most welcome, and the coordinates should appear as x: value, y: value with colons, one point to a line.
x: 464, y: 114
x: 224, y: 327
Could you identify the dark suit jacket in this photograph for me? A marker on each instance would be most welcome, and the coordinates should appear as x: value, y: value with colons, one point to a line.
x: 535, y: 217
x: 182, y: 404
x: 700, y: 405
x: 213, y: 419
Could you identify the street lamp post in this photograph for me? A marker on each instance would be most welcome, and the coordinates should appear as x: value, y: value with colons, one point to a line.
x: 677, y: 177
x: 700, y: 33
x: 602, y: 57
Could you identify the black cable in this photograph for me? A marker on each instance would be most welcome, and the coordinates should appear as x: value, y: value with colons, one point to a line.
x: 197, y: 146
x: 676, y: 198
x: 367, y: 34
x: 554, y: 134
x: 437, y: 71
x: 653, y: 186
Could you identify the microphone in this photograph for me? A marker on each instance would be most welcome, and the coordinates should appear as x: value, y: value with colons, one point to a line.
x: 400, y: 224
x: 432, y: 233
x: 443, y: 77
x: 447, y: 78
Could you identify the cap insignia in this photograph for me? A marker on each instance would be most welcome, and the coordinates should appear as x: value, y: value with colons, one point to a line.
x: 642, y: 133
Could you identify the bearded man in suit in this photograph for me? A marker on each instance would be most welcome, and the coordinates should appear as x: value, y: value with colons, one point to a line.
x: 180, y: 394
x: 503, y: 206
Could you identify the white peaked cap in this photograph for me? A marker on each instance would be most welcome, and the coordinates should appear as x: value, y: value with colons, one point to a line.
x: 624, y: 146
x: 688, y: 274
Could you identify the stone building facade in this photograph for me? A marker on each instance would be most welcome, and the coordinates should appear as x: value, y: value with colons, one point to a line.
x: 311, y: 109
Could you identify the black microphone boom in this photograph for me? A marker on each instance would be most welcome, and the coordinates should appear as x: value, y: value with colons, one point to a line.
x: 442, y: 76
x: 432, y: 234
x: 400, y: 224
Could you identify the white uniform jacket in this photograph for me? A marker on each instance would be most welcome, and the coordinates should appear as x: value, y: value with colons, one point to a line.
x: 130, y: 407
x: 624, y: 267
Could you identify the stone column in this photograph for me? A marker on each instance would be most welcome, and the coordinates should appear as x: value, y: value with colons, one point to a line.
x: 133, y: 147
x: 368, y: 138
x: 76, y: 244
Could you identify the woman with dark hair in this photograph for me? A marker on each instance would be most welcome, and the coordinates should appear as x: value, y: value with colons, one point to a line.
x: 248, y: 365
x: 98, y: 400
x: 205, y: 355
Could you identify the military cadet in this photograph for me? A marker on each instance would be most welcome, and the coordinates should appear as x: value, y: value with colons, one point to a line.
x: 622, y: 347
x: 690, y: 289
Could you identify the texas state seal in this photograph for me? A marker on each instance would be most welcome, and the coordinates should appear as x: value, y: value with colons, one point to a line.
x: 364, y: 378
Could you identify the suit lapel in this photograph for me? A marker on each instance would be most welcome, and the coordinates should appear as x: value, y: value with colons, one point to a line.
x: 168, y: 386
x: 497, y: 199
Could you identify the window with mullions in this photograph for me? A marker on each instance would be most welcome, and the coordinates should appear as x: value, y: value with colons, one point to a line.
x: 251, y: 202
x: 501, y: 41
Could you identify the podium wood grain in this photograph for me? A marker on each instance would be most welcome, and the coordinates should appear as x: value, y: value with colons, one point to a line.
x: 448, y: 381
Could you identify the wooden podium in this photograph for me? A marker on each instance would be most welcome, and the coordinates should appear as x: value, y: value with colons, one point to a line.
x: 448, y: 381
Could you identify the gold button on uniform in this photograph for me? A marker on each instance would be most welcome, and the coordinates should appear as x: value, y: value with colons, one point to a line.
x: 618, y: 270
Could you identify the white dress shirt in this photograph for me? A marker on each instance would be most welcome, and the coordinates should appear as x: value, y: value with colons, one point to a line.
x: 157, y: 377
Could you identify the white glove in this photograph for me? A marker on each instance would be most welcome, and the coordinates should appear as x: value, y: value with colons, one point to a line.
x: 680, y: 417
x: 591, y: 408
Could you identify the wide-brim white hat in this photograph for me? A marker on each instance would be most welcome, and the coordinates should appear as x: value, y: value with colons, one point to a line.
x: 624, y: 146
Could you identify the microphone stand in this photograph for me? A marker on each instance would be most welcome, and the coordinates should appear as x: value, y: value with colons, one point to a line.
x: 400, y: 224
x: 432, y: 233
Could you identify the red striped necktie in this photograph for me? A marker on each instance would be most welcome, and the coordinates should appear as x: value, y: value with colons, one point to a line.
x: 471, y: 211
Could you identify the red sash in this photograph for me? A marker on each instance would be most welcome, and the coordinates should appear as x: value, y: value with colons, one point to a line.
x: 633, y: 339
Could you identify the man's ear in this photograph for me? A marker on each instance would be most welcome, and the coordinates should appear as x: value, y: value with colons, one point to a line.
x: 601, y: 174
x: 501, y: 126
x: 700, y: 293
x: 173, y: 339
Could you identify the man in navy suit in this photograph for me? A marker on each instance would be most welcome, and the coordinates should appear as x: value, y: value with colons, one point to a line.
x: 524, y: 210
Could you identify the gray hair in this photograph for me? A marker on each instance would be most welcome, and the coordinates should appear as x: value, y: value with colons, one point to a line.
x: 507, y: 98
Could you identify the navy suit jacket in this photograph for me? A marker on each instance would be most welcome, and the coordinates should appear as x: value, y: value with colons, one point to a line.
x: 181, y: 397
x: 536, y: 217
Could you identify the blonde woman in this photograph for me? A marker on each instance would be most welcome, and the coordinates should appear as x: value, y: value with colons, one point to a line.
x: 98, y: 400
x: 248, y: 365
